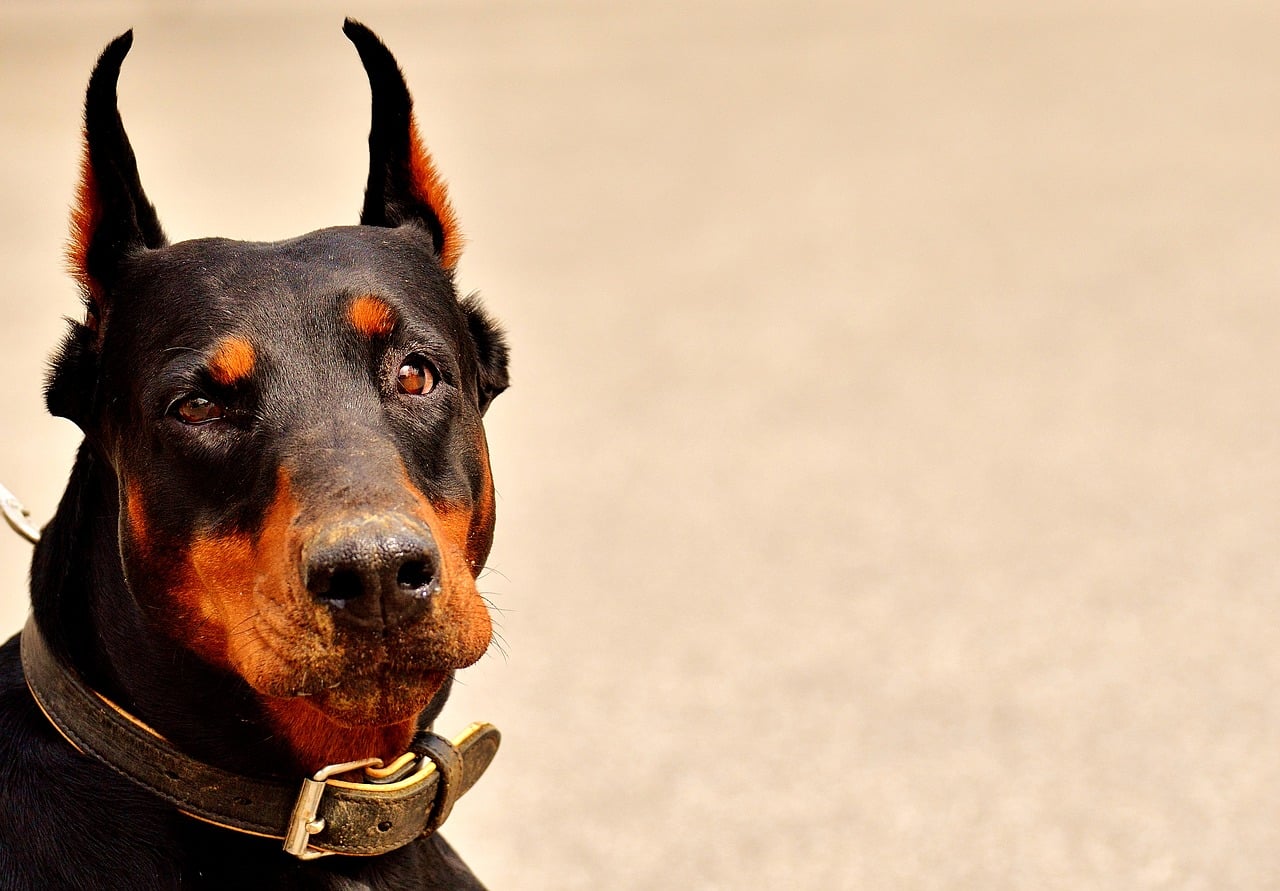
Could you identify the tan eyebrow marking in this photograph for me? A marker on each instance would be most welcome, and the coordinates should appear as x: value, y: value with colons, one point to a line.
x: 371, y: 316
x: 232, y: 360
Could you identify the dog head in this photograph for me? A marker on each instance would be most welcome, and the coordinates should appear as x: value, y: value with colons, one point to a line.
x: 295, y: 428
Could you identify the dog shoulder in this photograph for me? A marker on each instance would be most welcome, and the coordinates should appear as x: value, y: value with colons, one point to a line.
x: 65, y: 820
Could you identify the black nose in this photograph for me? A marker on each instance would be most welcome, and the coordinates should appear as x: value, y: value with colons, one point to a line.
x: 372, y: 573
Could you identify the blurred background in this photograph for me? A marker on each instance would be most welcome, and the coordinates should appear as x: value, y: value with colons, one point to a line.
x: 888, y: 493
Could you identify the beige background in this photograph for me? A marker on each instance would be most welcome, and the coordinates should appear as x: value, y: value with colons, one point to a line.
x: 888, y: 491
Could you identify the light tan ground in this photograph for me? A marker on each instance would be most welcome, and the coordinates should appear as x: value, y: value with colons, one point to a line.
x: 889, y: 485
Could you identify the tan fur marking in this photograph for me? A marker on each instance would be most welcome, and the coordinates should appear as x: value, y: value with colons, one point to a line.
x: 316, y: 739
x: 136, y: 512
x: 454, y: 529
x: 429, y: 187
x: 86, y: 214
x: 371, y: 316
x: 227, y: 581
x: 232, y: 361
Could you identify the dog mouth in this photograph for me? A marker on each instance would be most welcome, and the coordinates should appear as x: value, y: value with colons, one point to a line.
x: 354, y: 685
x: 369, y: 700
x: 359, y: 674
x: 309, y: 661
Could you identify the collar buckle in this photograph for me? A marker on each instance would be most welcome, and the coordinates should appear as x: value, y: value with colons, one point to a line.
x: 302, y: 822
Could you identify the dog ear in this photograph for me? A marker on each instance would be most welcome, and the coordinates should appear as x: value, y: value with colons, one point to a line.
x: 404, y: 185
x: 111, y: 219
x: 491, y: 351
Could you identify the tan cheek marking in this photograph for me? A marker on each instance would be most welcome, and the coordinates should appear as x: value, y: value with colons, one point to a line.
x: 229, y: 580
x: 480, y: 533
x: 468, y: 530
x: 232, y: 361
x: 136, y: 512
x: 454, y: 526
x: 371, y: 317
x: 464, y: 611
x: 215, y: 593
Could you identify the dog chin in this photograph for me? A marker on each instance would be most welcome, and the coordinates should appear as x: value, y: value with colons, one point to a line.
x: 378, y: 701
x: 360, y: 682
x: 375, y: 700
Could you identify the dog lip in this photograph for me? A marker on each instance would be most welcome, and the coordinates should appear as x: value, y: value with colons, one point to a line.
x: 352, y: 657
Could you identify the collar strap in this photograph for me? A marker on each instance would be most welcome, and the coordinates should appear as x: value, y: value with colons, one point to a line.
x: 406, y: 800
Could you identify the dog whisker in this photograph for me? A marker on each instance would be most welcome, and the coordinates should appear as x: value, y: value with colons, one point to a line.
x: 493, y: 607
x: 486, y: 570
x: 499, y: 643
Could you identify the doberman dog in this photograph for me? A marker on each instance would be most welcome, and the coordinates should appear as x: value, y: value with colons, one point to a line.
x: 264, y: 563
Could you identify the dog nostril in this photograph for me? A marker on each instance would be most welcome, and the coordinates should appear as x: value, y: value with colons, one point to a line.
x: 344, y: 585
x: 414, y: 575
x: 377, y: 573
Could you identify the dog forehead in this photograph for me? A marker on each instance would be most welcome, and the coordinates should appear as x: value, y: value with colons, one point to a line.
x: 213, y: 280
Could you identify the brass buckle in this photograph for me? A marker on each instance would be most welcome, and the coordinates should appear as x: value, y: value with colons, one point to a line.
x: 302, y: 822
x: 431, y: 754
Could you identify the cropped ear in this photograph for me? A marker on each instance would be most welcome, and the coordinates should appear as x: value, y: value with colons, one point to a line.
x: 112, y: 217
x: 404, y: 185
x: 491, y: 351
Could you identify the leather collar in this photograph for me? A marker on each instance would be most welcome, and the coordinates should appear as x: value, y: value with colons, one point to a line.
x: 397, y: 804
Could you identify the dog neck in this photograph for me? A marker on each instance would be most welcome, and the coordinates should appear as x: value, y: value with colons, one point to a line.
x: 91, y: 620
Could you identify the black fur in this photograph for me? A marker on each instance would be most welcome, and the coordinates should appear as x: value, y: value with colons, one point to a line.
x: 388, y: 198
x: 129, y: 222
x: 318, y: 401
x: 491, y: 351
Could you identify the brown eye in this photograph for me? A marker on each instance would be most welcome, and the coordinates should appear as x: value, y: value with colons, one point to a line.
x: 415, y: 377
x: 198, y: 410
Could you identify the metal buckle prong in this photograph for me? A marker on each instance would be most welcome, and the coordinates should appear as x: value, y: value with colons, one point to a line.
x: 302, y: 822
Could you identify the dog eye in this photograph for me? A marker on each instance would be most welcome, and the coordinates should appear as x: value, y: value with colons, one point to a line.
x: 197, y: 410
x: 415, y: 377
